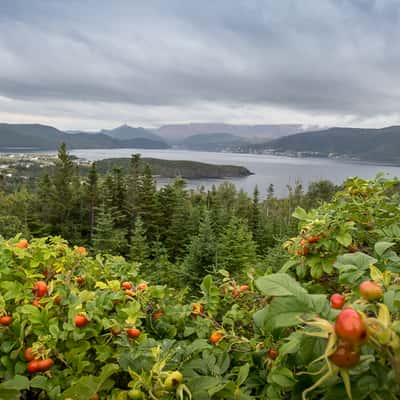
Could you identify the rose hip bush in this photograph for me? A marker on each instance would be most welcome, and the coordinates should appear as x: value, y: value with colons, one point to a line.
x: 324, y: 327
x: 77, y: 327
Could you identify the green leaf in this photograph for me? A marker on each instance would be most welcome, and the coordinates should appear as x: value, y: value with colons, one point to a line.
x: 357, y: 259
x: 344, y: 238
x: 87, y: 386
x: 282, y: 377
x: 242, y: 374
x: 382, y: 247
x: 18, y: 382
x: 301, y: 214
x: 279, y: 284
x: 206, y: 383
x: 292, y: 346
x: 288, y: 265
x: 260, y: 316
x: 10, y: 394
x: 39, y: 382
x: 319, y: 303
x: 284, y: 312
x: 210, y: 293
x: 197, y: 346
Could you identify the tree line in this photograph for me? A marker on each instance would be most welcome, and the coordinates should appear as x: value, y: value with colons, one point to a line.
x: 177, y: 235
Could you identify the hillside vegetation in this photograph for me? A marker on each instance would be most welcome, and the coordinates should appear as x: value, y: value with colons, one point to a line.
x: 31, y: 166
x: 176, y: 168
x: 73, y: 326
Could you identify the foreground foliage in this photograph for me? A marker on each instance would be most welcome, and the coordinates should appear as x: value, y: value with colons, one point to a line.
x: 326, y: 326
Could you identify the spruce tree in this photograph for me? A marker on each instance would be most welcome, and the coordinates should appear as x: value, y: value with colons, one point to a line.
x: 178, y: 228
x: 92, y: 197
x: 255, y: 222
x: 148, y: 208
x: 139, y: 248
x: 62, y: 204
x: 107, y: 238
x: 44, y: 206
x: 236, y: 249
x: 132, y: 189
x: 202, y: 251
x: 118, y: 193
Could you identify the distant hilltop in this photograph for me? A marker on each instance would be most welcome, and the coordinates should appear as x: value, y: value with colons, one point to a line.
x: 372, y: 145
x: 250, y: 132
x: 44, y: 137
x: 192, y: 136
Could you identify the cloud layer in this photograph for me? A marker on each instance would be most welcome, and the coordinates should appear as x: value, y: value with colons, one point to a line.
x: 96, y: 63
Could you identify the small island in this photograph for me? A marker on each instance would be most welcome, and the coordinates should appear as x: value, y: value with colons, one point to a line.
x: 30, y: 166
x: 182, y: 168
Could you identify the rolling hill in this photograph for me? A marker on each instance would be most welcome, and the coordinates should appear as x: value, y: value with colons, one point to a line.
x: 174, y: 168
x: 44, y: 137
x: 212, y: 142
x: 178, y: 132
x: 375, y: 145
x: 126, y: 132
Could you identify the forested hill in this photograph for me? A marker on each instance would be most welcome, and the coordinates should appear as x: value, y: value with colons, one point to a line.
x: 173, y: 168
x: 43, y: 137
x: 381, y: 145
x: 33, y: 166
x: 212, y: 142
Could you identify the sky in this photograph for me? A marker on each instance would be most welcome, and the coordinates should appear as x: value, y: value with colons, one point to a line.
x: 96, y: 63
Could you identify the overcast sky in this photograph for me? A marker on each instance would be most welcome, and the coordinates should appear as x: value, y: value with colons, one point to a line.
x: 93, y: 64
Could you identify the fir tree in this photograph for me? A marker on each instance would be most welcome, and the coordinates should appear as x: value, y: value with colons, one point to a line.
x: 132, y: 188
x: 236, y: 247
x: 202, y: 251
x: 148, y: 208
x: 255, y: 219
x: 92, y: 197
x: 62, y: 205
x: 139, y: 248
x: 106, y: 238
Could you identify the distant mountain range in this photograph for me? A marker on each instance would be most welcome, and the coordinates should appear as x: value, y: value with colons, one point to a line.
x: 374, y: 145
x: 43, y: 137
x: 207, y: 137
x: 212, y: 142
x: 175, y: 133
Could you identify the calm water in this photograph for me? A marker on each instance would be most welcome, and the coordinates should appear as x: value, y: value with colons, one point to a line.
x: 280, y: 171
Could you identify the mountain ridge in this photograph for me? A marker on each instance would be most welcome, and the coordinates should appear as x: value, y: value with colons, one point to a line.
x: 247, y: 131
x: 46, y: 137
x: 366, y: 144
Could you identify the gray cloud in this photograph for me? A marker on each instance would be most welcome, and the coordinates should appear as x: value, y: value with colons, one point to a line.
x: 310, y: 57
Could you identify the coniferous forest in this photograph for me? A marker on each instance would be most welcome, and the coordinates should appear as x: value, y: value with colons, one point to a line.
x: 113, y: 289
x: 177, y: 235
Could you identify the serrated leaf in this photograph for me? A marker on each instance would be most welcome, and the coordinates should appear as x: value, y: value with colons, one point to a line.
x: 39, y: 382
x: 18, y: 382
x: 282, y: 377
x: 357, y: 259
x: 300, y: 213
x: 87, y: 386
x: 260, y: 316
x: 382, y: 247
x: 101, y: 285
x: 292, y: 346
x: 344, y: 238
x: 376, y: 274
x: 279, y: 284
x: 243, y: 374
x: 284, y: 312
x: 288, y: 265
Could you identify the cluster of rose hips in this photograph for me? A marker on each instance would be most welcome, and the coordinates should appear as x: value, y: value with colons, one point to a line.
x: 350, y: 327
